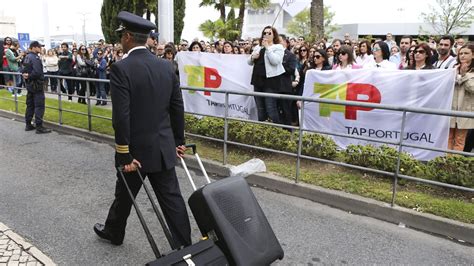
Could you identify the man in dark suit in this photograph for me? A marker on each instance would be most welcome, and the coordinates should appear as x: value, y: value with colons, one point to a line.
x: 148, y: 119
x: 289, y: 63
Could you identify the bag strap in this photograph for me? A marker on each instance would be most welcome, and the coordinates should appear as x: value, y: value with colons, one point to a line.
x: 449, y: 63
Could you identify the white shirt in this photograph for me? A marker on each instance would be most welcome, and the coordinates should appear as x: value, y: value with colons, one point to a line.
x: 133, y: 49
x: 447, y: 63
x: 366, y: 60
x: 384, y: 64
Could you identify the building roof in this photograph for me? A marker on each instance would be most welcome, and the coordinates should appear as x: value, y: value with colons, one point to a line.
x: 414, y: 29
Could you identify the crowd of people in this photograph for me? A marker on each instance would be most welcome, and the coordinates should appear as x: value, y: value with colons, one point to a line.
x: 279, y: 66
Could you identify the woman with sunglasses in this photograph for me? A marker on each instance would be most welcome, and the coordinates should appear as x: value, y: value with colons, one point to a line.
x: 463, y: 98
x: 83, y: 70
x: 319, y: 62
x: 50, y: 62
x: 410, y: 58
x: 381, y: 56
x: 422, y: 57
x: 365, y: 57
x: 346, y: 59
x: 267, y: 59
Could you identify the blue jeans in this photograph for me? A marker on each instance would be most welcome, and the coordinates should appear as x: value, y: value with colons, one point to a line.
x: 267, y: 107
x: 17, y: 83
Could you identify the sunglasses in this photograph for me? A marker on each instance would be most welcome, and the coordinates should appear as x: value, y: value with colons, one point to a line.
x: 83, y: 49
x: 303, y: 50
x: 267, y: 33
x: 99, y: 53
x: 317, y: 56
x: 420, y: 52
x: 342, y: 53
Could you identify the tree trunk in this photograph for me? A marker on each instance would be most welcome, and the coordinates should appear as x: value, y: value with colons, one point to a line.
x: 240, y: 24
x: 317, y: 19
x: 148, y: 14
x: 140, y: 8
x: 222, y: 10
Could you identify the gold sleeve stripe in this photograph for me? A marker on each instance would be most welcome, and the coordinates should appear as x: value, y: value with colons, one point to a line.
x: 121, y: 148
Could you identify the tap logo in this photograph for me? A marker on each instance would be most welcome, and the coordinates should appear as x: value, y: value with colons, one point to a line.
x: 203, y: 77
x: 349, y: 92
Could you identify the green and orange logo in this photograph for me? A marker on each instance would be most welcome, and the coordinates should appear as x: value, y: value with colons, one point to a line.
x: 358, y: 92
x: 203, y: 77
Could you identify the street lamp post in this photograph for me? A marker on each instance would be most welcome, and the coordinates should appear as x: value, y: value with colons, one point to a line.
x: 84, y: 26
x: 166, y: 20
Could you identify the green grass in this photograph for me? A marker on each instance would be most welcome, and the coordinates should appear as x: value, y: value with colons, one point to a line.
x: 75, y: 120
x: 439, y: 201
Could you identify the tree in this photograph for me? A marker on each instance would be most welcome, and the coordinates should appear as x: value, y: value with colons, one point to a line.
x: 317, y: 19
x: 179, y: 12
x: 111, y: 8
x: 229, y: 26
x: 449, y: 16
x: 220, y: 29
x: 300, y: 25
x: 108, y: 14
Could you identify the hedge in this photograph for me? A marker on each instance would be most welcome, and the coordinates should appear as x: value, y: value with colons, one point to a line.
x: 458, y: 170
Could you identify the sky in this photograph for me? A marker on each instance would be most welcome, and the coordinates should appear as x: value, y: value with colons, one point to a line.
x: 66, y: 16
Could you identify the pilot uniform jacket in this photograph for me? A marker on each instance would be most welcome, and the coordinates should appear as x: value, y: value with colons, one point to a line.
x: 148, y: 112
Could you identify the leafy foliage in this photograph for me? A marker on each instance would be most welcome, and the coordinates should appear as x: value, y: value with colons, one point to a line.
x: 458, y: 170
x: 382, y: 158
x: 449, y: 16
x: 300, y: 25
x: 111, y: 8
x: 228, y: 26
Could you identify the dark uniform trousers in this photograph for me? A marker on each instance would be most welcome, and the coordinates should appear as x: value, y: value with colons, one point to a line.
x: 35, y: 106
x: 166, y: 187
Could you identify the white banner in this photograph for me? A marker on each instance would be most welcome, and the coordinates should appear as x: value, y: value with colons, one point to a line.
x: 422, y: 88
x: 216, y: 71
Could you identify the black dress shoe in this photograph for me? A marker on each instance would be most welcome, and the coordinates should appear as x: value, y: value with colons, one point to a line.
x: 99, y: 230
x: 42, y: 130
x: 29, y: 127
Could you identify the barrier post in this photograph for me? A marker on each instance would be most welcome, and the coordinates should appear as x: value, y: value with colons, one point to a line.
x: 300, y: 142
x: 60, y: 102
x: 400, y: 148
x: 226, y: 126
x: 89, y: 107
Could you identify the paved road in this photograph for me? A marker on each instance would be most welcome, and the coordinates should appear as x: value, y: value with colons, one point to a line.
x: 54, y: 187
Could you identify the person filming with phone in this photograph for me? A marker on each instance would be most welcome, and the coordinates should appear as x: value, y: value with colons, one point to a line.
x: 267, y: 59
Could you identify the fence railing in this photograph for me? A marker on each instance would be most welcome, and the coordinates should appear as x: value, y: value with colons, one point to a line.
x: 399, y: 143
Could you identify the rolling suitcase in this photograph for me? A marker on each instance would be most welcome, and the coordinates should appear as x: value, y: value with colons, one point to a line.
x: 205, y: 252
x: 228, y: 212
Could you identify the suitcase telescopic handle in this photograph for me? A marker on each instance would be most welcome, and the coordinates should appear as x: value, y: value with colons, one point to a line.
x: 193, y: 146
x: 203, y: 170
x: 140, y: 216
x: 165, y: 228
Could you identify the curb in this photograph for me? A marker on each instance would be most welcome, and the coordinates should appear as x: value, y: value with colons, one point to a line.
x: 337, y: 199
x: 29, y: 248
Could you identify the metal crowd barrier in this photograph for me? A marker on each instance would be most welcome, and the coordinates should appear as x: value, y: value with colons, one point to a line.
x: 400, y: 143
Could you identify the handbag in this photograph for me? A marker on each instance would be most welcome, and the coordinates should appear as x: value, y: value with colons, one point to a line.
x: 82, y: 71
